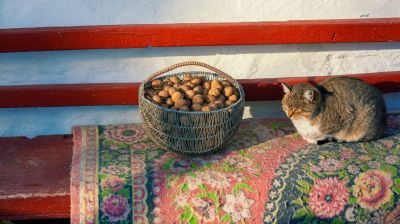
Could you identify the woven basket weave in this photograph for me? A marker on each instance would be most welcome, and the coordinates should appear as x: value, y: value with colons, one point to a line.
x: 191, y: 132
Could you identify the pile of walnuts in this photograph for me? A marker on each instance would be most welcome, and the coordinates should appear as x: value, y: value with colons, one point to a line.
x: 193, y: 93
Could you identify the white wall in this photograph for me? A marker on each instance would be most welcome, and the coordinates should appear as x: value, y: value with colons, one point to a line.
x: 131, y: 65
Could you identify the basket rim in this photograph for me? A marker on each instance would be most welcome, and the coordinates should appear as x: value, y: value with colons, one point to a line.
x: 141, y: 95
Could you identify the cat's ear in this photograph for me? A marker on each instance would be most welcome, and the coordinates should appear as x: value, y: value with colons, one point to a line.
x: 286, y: 88
x: 308, y: 95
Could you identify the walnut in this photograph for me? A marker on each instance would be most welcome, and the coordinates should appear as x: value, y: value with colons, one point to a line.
x: 214, y: 92
x: 163, y: 94
x: 198, y: 99
x: 176, y: 96
x: 215, y: 84
x: 157, y: 99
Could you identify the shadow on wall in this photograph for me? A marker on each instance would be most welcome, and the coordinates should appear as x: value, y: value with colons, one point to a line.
x: 263, y: 109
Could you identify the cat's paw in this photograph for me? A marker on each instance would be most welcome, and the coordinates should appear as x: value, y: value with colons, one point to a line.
x: 326, y: 140
x: 311, y: 140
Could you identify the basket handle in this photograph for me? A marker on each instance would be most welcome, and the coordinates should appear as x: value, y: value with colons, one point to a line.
x: 188, y: 63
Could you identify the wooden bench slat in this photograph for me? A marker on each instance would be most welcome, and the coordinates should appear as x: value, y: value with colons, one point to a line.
x: 200, y: 34
x: 127, y: 93
x: 34, y: 177
x: 35, y: 208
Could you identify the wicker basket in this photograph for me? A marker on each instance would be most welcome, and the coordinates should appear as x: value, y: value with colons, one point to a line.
x: 191, y: 132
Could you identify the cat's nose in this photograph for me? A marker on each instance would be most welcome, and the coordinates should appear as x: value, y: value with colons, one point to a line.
x: 290, y: 113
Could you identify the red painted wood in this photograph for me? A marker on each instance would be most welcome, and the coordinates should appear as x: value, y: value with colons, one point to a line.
x: 271, y: 89
x: 35, y: 208
x: 127, y: 93
x: 69, y: 95
x: 199, y: 34
x: 34, y: 177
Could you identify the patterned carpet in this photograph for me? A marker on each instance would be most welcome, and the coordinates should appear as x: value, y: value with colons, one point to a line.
x: 268, y: 174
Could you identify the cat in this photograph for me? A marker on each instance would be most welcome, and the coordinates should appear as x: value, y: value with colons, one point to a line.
x: 341, y: 109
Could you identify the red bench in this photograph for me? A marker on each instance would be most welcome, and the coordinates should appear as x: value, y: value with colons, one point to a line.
x: 34, y: 176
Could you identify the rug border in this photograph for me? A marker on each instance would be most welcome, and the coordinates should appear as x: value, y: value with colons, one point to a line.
x: 75, y: 175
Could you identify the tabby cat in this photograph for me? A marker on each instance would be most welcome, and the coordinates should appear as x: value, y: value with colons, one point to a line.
x: 343, y: 109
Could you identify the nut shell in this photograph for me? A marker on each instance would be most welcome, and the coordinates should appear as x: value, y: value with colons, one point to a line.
x: 156, y: 84
x: 228, y: 91
x: 196, y: 81
x: 214, y: 92
x: 191, y: 85
x: 184, y: 108
x: 167, y: 83
x: 225, y: 84
x: 171, y: 90
x: 213, y: 106
x: 190, y: 94
x: 215, y: 84
x: 205, y: 109
x: 157, y: 99
x: 151, y: 92
x: 198, y: 99
x: 176, y: 96
x: 169, y: 102
x: 187, y: 77
x: 184, y: 88
x: 221, y: 98
x: 166, y: 87
x: 219, y: 104
x: 163, y: 94
x: 207, y: 85
x: 196, y: 107
x: 185, y: 82
x: 198, y: 89
x: 180, y: 103
x: 174, y: 79
x: 228, y: 103
x: 210, y: 99
x: 233, y: 98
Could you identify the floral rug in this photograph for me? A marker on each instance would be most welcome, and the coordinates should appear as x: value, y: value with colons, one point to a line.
x: 268, y: 174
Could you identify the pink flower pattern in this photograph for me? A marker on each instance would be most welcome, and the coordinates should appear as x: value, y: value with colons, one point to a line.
x: 347, y: 153
x: 238, y: 206
x: 116, y: 208
x: 328, y: 197
x: 372, y: 189
x: 330, y: 165
x: 126, y: 134
x: 114, y: 182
